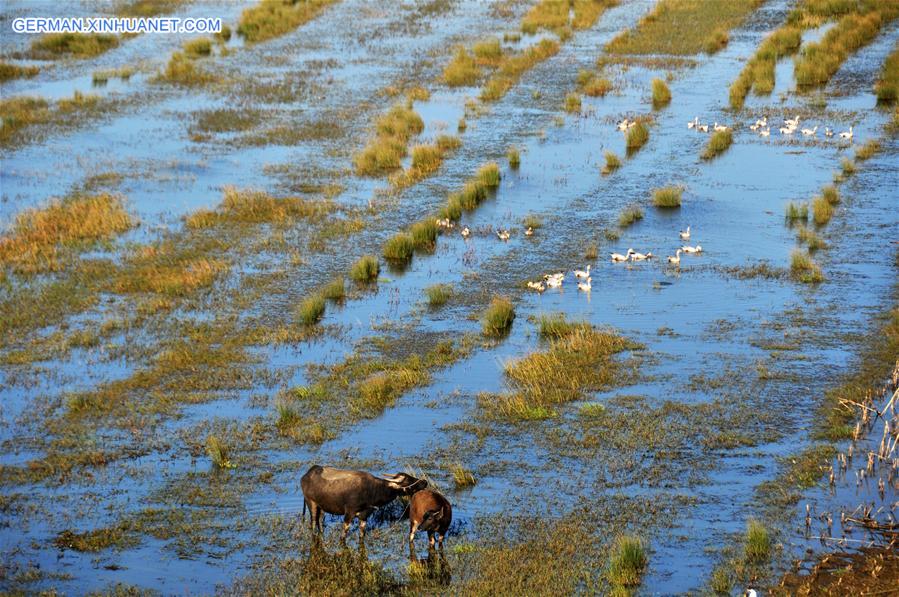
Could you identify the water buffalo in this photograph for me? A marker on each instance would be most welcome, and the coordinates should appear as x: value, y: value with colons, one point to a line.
x: 429, y: 511
x: 351, y: 493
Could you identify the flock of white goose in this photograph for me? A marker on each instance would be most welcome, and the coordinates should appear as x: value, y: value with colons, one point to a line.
x: 790, y: 126
x: 584, y: 280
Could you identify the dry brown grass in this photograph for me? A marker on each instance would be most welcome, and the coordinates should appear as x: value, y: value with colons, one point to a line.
x: 393, y: 131
x: 273, y: 18
x: 247, y: 206
x: 514, y: 66
x: 39, y: 238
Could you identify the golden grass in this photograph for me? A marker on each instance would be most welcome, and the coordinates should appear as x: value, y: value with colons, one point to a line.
x: 822, y: 211
x: 551, y: 15
x: 758, y: 74
x: 595, y: 86
x: 365, y: 269
x: 636, y: 137
x: 667, y: 196
x: 180, y: 70
x: 661, y: 94
x: 198, y: 48
x: 867, y: 151
x: 573, y: 103
x: 247, y: 206
x: 627, y: 562
x: 613, y: 162
x: 20, y: 112
x: 14, y: 71
x: 804, y: 269
x: 474, y: 191
x: 498, y: 317
x: 426, y: 159
x: 462, y: 70
x: 76, y: 45
x: 37, y: 241
x: 682, y: 27
x: 513, y: 66
x: 887, y: 86
x: 718, y: 144
x: 273, y: 18
x: 159, y: 271
x: 393, y: 131
x: 587, y: 12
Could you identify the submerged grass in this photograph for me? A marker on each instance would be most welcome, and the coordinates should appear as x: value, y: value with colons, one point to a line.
x: 804, y: 269
x: 627, y: 562
x: 661, y: 94
x: 682, y: 27
x: 718, y: 144
x: 393, y: 131
x: 513, y: 66
x: 76, y: 45
x: 667, y: 197
x: 462, y: 477
x: 613, y: 162
x: 439, y: 294
x: 887, y: 86
x: 630, y: 215
x: 498, y: 317
x: 10, y: 71
x: 273, y: 18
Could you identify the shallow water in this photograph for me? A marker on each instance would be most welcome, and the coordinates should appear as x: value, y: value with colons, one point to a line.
x: 733, y: 204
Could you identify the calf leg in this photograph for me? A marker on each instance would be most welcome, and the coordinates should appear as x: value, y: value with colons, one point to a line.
x: 413, y: 526
x: 431, y: 538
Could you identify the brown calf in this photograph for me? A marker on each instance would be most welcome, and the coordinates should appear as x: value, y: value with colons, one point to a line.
x: 429, y: 511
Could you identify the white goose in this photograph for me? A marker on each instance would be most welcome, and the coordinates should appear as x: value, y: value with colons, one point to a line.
x: 754, y: 127
x: 719, y: 127
x: 676, y: 259
x: 585, y: 286
x: 579, y: 273
x: 828, y: 132
x: 810, y: 132
x: 846, y: 134
x: 785, y: 130
x: 558, y: 277
x: 688, y: 249
x: 703, y: 128
x: 765, y: 133
x: 538, y: 286
x: 640, y: 256
x: 763, y: 122
x: 503, y: 235
x: 693, y: 123
x: 685, y: 234
x: 466, y: 232
x: 554, y: 282
x: 792, y: 122
x: 620, y: 257
x: 529, y: 231
x: 622, y: 126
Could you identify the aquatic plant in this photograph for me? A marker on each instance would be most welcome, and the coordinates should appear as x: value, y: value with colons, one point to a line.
x: 810, y: 239
x: 311, y: 309
x: 424, y: 234
x: 627, y: 562
x: 848, y: 167
x: 758, y: 74
x: 867, y: 151
x: 669, y: 196
x: 822, y: 210
x: 629, y: 215
x: 462, y: 70
x: 513, y: 66
x: 462, y: 477
x: 717, y: 41
x: 758, y: 542
x: 557, y: 326
x: 335, y: 290
x: 573, y: 103
x: 797, y: 211
x: 462, y: 126
x: 384, y: 152
x: 592, y: 252
x: 101, y: 77
x: 439, y: 294
x: 273, y: 18
x: 399, y: 247
x: 831, y: 194
x: 718, y: 144
x: 596, y: 86
x: 218, y: 452
x: 180, y: 70
x: 498, y: 317
x: 613, y: 162
x: 532, y: 221
x: 661, y: 94
x: 514, y: 157
x: 887, y: 86
x: 77, y: 45
x: 804, y: 269
x: 488, y: 52
x: 198, y: 48
x: 637, y: 136
x: 10, y: 71
x: 546, y: 14
x: 488, y: 175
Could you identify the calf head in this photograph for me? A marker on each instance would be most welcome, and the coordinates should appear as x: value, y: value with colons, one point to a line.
x: 405, y: 484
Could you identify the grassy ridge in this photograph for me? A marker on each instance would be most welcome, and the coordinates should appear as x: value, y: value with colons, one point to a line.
x: 887, y: 87
x: 273, y: 18
x: 683, y: 27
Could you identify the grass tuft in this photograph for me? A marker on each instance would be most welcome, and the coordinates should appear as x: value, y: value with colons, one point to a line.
x: 335, y: 290
x: 439, y: 294
x: 514, y: 157
x: 462, y: 477
x: 311, y: 310
x: 424, y: 234
x: 180, y: 70
x: 462, y: 70
x: 556, y: 326
x: 848, y: 167
x: 667, y: 197
x: 218, y: 452
x: 637, y: 136
x: 10, y: 71
x: 365, y: 270
x: 627, y: 562
x: 273, y: 18
x: 613, y: 162
x: 399, y: 248
x: 661, y: 94
x: 498, y: 317
x: 758, y: 542
x: 514, y: 66
x: 384, y: 152
x: 573, y: 103
x: 810, y: 239
x: 831, y: 193
x: 867, y: 151
x: 804, y: 269
x: 76, y: 45
x: 887, y: 86
x: 198, y: 48
x: 718, y: 144
x: 630, y: 215
x: 822, y: 211
x: 796, y: 211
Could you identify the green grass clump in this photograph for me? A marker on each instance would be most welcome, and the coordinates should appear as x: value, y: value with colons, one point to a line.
x: 758, y: 74
x: 629, y: 215
x: 867, y: 151
x: 399, y: 247
x: 831, y: 194
x: 218, y: 452
x: 462, y: 126
x: 489, y: 175
x: 573, y: 103
x: 637, y: 136
x: 592, y: 252
x: 365, y: 270
x: 462, y: 477
x: 810, y: 239
x: 77, y: 45
x: 498, y: 317
x: 311, y: 310
x: 335, y: 290
x: 797, y: 211
x: 887, y: 86
x: 627, y: 562
x: 198, y: 48
x: 804, y: 269
x: 720, y: 581
x: 758, y: 542
x: 718, y: 144
x: 462, y: 70
x: 514, y: 157
x: 661, y: 94
x: 613, y: 162
x: 513, y: 66
x: 556, y: 326
x: 439, y: 294
x: 273, y: 18
x: 424, y: 234
x: 822, y: 211
x: 592, y: 84
x: 14, y: 71
x: 667, y: 196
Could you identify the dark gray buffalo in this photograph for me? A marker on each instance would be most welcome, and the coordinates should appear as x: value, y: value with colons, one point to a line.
x: 351, y: 493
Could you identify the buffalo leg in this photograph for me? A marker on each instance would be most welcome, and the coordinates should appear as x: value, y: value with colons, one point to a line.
x: 431, y: 538
x: 319, y: 515
x: 413, y: 527
x: 347, y: 521
x: 363, y: 520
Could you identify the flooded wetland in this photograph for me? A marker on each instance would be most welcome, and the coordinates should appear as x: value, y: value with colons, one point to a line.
x: 617, y: 278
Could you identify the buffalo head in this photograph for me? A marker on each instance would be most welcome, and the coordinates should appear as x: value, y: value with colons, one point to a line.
x: 405, y: 484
